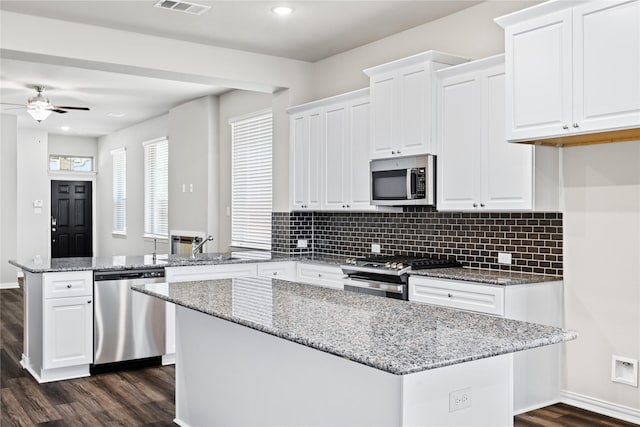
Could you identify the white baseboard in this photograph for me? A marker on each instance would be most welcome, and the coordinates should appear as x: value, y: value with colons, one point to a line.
x: 601, y: 406
x: 9, y: 285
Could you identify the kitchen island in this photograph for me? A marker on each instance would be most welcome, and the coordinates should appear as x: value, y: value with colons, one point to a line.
x: 256, y: 351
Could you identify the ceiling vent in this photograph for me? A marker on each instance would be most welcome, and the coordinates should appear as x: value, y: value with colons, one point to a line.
x: 182, y: 6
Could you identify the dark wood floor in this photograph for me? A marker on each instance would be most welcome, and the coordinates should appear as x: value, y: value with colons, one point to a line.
x: 144, y: 397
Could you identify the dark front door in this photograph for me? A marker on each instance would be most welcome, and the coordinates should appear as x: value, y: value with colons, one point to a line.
x: 71, y: 226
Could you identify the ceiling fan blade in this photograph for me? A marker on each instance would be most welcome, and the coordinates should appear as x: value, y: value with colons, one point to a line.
x: 55, y: 110
x: 71, y: 108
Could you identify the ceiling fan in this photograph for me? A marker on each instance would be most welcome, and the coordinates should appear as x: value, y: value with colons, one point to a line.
x: 39, y: 107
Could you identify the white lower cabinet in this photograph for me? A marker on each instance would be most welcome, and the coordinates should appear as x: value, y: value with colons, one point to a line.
x: 278, y: 270
x: 536, y: 371
x: 321, y: 275
x: 68, y: 332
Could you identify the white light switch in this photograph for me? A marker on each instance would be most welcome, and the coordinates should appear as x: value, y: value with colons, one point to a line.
x: 302, y: 243
x: 184, y: 188
x: 191, y: 188
x: 375, y: 248
x: 504, y: 258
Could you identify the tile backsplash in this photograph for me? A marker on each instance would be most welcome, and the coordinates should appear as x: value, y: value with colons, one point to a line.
x: 473, y: 238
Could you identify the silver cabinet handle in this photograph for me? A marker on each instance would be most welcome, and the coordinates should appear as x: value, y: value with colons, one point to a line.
x: 348, y: 206
x: 319, y: 275
x: 398, y: 152
x: 344, y: 206
x: 393, y: 152
x: 69, y: 286
x: 275, y: 273
x: 482, y: 205
x: 565, y: 127
x: 575, y: 125
x: 89, y: 302
x: 449, y: 295
x: 475, y: 205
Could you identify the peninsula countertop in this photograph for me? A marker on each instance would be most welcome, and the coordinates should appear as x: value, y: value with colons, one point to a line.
x: 398, y: 337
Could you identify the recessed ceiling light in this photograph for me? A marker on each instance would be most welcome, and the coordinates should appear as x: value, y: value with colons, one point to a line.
x: 282, y: 10
x: 65, y: 128
x: 115, y: 115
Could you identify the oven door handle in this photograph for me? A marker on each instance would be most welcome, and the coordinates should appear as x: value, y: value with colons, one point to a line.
x: 372, y: 284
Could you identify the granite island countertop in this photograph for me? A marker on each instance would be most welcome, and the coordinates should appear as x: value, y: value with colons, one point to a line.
x: 398, y: 337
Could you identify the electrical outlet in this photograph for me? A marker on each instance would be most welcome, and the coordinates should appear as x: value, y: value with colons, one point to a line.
x: 302, y: 243
x: 624, y: 370
x: 504, y: 258
x: 459, y: 399
x: 375, y: 248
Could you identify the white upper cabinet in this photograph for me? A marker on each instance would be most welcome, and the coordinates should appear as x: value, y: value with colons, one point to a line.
x: 306, y: 157
x: 330, y: 153
x: 477, y: 168
x: 403, y: 104
x: 572, y: 70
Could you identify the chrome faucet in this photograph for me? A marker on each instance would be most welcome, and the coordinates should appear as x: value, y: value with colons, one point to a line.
x: 195, y: 247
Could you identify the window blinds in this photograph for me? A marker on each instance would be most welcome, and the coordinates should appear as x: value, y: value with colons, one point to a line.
x: 156, y: 188
x: 119, y: 158
x: 251, y: 181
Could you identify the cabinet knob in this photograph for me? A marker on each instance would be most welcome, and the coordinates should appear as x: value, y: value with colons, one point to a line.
x: 565, y: 127
x: 482, y: 205
x: 449, y: 295
x: 69, y: 286
x: 89, y: 302
x: 575, y: 125
x: 475, y: 205
x: 393, y: 152
x: 344, y: 206
x: 275, y: 273
x: 398, y: 152
x: 348, y: 206
x: 319, y: 275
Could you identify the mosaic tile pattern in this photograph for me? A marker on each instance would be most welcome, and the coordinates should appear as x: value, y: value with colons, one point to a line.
x: 473, y: 238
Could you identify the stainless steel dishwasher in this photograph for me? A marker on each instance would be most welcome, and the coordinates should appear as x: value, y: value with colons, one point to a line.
x: 129, y: 327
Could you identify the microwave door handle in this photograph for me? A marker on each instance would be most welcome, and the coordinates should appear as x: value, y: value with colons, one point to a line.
x: 408, y: 181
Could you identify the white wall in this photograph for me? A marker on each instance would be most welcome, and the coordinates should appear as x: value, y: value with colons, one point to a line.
x: 602, y: 266
x: 233, y: 104
x: 131, y: 138
x: 33, y: 184
x: 8, y: 199
x: 74, y: 145
x: 193, y: 161
x: 470, y: 33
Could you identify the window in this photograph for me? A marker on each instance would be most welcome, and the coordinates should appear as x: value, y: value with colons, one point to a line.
x: 70, y: 163
x: 156, y: 188
x: 251, y: 181
x: 119, y: 158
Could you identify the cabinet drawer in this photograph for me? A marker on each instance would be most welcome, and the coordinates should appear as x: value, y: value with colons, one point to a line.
x: 456, y: 294
x: 67, y: 284
x: 323, y: 275
x: 209, y: 272
x: 277, y: 270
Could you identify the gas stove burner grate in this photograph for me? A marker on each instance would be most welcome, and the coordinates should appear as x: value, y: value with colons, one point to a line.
x: 416, y: 263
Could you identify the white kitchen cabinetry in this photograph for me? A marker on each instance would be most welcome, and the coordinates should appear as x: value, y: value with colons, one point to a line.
x: 337, y: 168
x: 306, y: 159
x: 477, y: 168
x: 537, y: 371
x: 58, y: 337
x: 403, y: 104
x: 285, y: 270
x: 320, y: 274
x: 572, y: 70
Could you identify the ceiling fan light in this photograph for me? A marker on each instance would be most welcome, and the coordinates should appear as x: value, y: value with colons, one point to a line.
x: 38, y: 114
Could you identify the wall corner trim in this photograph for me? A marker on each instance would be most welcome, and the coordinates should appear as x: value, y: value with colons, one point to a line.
x: 599, y: 406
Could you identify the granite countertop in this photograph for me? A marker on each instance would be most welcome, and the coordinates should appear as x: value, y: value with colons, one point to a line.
x: 492, y: 277
x: 398, y: 337
x: 49, y: 265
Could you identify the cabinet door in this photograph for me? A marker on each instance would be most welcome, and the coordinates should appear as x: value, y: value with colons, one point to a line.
x: 458, y: 172
x: 299, y: 164
x: 335, y: 158
x: 606, y: 65
x: 68, y: 332
x: 358, y: 171
x: 383, y: 114
x: 506, y: 168
x: 314, y: 161
x: 414, y: 98
x: 538, y: 81
x: 322, y: 275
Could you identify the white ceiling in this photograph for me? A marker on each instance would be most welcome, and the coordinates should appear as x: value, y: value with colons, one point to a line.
x: 316, y: 30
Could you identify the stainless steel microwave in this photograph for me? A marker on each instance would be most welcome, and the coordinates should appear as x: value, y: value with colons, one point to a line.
x: 403, y: 181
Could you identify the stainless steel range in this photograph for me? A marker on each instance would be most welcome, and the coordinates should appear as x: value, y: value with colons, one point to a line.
x: 387, y: 276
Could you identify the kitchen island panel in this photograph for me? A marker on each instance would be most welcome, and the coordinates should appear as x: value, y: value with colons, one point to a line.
x: 231, y: 375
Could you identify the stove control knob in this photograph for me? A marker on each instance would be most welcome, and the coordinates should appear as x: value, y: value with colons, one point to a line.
x: 388, y: 265
x: 394, y: 265
x: 400, y: 266
x: 348, y: 261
